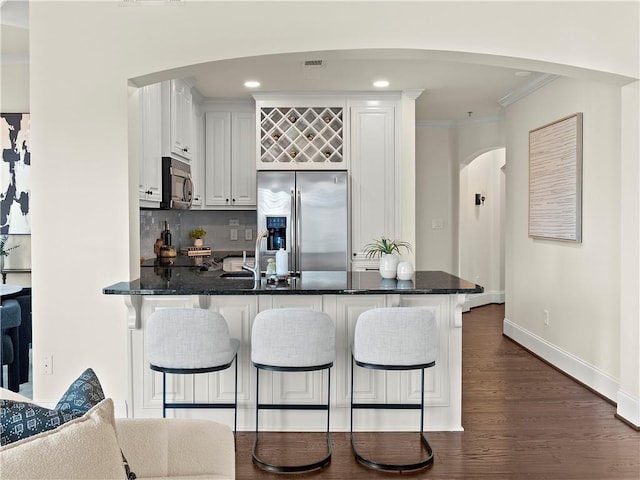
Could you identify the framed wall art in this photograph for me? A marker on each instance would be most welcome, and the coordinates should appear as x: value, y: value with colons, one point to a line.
x: 15, y: 182
x: 555, y: 180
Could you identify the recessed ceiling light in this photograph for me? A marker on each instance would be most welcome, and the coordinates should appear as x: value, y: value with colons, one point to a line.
x: 380, y: 83
x: 251, y: 84
x: 522, y: 73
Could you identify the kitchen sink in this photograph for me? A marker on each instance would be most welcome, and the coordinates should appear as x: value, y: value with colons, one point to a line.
x: 237, y: 275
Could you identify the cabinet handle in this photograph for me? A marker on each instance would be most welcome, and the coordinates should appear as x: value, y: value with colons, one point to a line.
x: 226, y: 200
x: 185, y: 149
x: 233, y: 200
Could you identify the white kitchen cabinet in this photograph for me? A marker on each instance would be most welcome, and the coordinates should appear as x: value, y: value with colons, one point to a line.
x: 178, y: 123
x: 150, y: 159
x: 197, y: 161
x: 167, y: 129
x: 374, y: 195
x: 230, y: 168
x: 301, y: 132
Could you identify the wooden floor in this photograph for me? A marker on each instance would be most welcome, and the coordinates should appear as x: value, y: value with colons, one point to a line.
x: 522, y: 419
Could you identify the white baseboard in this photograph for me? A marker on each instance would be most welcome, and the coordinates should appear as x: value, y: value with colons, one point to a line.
x: 591, y: 376
x: 478, y: 299
x: 629, y: 408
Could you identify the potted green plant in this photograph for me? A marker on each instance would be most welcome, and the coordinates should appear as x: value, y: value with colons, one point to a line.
x: 197, y: 234
x: 389, y: 252
x: 4, y: 251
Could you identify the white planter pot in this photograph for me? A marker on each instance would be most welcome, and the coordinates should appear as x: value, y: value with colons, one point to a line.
x: 198, y: 242
x: 389, y: 265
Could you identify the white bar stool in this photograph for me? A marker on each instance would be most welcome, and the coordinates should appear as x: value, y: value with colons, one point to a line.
x: 292, y: 340
x: 189, y: 341
x: 396, y: 338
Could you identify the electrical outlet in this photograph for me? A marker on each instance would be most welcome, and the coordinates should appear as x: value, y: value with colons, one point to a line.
x: 546, y: 317
x: 248, y: 234
x: 233, y: 234
x: 234, y: 222
x: 46, y: 365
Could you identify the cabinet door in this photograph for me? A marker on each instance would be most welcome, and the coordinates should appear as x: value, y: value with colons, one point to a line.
x: 219, y: 387
x: 181, y: 119
x: 150, y: 160
x: 373, y: 177
x: 197, y: 161
x: 243, y: 160
x: 217, y: 158
x: 370, y: 385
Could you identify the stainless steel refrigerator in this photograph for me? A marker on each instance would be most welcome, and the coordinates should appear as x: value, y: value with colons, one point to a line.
x: 306, y: 214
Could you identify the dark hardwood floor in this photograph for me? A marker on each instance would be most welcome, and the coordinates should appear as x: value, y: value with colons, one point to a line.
x: 522, y: 419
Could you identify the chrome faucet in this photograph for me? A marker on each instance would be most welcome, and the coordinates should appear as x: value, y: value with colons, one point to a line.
x: 256, y: 257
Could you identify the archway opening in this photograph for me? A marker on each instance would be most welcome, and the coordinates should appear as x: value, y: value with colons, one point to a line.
x: 482, y: 226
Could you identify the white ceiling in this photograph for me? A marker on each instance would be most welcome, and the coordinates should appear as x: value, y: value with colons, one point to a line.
x: 451, y: 88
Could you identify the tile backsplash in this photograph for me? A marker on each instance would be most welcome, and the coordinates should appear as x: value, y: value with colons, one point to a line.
x: 181, y: 222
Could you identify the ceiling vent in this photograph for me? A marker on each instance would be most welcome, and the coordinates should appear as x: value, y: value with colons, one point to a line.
x: 313, y: 63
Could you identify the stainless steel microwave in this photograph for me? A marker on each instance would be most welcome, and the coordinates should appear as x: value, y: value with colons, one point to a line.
x: 177, y: 188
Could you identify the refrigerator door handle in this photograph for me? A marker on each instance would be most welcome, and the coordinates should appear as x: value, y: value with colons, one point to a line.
x: 294, y: 231
x: 298, y: 260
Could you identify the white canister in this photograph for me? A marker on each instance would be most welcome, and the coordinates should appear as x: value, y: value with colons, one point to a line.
x: 282, y: 263
x: 405, y: 271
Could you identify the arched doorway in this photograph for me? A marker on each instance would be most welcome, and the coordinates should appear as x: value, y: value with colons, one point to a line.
x: 481, y: 226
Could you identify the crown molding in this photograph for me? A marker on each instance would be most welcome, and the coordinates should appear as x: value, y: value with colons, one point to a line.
x: 520, y: 93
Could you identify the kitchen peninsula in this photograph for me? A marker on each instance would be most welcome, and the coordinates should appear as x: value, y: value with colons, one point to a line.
x: 343, y: 295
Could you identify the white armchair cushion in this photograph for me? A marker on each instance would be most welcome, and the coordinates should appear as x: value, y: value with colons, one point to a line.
x: 177, y: 448
x: 86, y: 447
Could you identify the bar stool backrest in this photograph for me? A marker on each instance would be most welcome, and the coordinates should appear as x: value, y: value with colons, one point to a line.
x: 188, y: 338
x: 292, y: 337
x: 396, y: 336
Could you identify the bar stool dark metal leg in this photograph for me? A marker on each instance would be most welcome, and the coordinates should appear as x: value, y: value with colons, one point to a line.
x: 291, y: 468
x: 391, y: 467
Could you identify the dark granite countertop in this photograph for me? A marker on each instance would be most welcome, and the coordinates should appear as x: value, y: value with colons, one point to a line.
x: 191, y: 280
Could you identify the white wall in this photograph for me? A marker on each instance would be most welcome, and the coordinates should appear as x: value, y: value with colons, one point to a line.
x: 436, y: 198
x: 481, y: 226
x: 83, y: 53
x: 578, y: 283
x: 629, y: 391
x: 14, y: 98
x: 14, y: 88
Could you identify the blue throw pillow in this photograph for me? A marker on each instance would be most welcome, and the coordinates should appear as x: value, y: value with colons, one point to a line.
x: 83, y: 394
x: 20, y: 420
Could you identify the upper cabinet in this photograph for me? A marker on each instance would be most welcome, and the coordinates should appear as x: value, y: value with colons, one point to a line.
x: 150, y: 160
x: 167, y: 129
x: 178, y: 129
x: 230, y: 166
x: 375, y: 195
x: 299, y: 134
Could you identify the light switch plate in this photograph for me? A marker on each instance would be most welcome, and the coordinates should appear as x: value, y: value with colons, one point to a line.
x: 234, y: 222
x: 248, y: 234
x: 233, y: 234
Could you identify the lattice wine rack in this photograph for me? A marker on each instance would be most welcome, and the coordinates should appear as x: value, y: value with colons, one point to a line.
x: 304, y: 135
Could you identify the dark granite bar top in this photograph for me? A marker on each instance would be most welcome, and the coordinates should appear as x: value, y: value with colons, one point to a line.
x: 191, y: 280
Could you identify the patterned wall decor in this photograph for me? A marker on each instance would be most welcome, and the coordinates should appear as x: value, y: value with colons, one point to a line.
x: 15, y: 185
x: 555, y: 180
